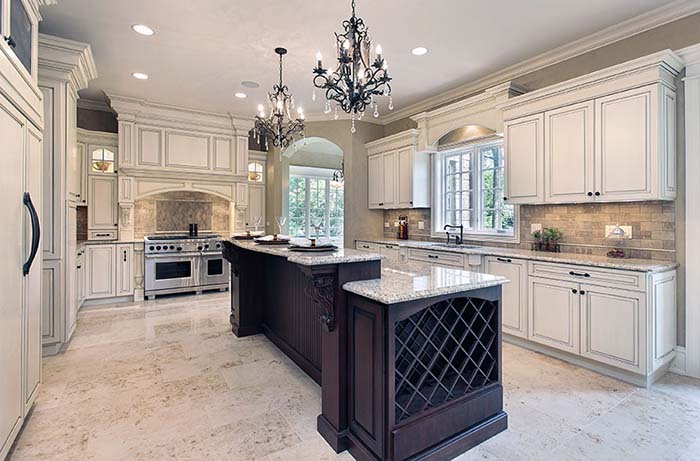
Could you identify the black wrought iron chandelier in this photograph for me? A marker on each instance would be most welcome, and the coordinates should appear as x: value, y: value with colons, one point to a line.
x: 279, y: 131
x: 359, y: 77
x: 339, y: 175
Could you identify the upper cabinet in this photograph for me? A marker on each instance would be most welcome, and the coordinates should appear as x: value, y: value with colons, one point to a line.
x: 609, y: 136
x: 398, y: 175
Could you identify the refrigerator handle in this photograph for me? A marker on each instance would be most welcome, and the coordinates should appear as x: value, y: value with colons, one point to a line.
x: 36, y: 232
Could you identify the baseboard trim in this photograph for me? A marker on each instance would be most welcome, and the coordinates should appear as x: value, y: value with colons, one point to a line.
x: 678, y: 364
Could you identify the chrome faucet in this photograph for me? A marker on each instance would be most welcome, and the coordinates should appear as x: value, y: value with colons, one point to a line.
x: 458, y: 239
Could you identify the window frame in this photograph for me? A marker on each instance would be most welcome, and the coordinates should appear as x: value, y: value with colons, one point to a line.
x: 309, y: 173
x: 439, y: 193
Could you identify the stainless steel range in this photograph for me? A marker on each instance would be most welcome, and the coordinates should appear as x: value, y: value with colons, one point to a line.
x: 179, y: 263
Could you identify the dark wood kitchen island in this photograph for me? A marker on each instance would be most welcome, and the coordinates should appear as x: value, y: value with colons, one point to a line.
x: 408, y: 356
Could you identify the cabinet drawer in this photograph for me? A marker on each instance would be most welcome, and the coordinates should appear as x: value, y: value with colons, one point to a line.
x: 592, y: 275
x: 437, y: 257
x: 103, y: 235
x: 367, y: 246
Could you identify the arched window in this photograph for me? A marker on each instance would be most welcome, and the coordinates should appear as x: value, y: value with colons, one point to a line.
x: 255, y: 172
x: 102, y: 160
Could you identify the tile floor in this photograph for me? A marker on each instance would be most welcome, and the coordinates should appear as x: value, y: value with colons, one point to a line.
x: 166, y: 379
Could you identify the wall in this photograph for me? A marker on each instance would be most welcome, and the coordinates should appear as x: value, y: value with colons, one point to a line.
x: 653, y: 226
x: 305, y: 158
x: 172, y: 212
x: 359, y: 221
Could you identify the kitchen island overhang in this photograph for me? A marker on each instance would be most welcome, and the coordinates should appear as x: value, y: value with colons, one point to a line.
x: 408, y: 357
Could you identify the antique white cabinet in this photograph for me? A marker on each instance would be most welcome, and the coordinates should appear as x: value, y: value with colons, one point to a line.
x: 256, y: 206
x: 109, y: 271
x: 103, y: 209
x: 609, y: 136
x: 398, y: 175
x: 514, y: 303
x: 553, y: 313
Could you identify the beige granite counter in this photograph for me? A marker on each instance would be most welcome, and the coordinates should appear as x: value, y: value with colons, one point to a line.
x: 339, y: 256
x: 638, y: 265
x: 409, y: 281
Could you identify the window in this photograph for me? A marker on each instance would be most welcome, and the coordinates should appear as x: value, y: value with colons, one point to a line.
x: 315, y: 200
x: 469, y: 191
x: 255, y: 172
x: 21, y: 33
x: 102, y: 160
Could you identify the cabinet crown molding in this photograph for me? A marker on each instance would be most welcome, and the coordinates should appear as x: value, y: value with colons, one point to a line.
x: 98, y: 137
x: 661, y: 67
x: 395, y: 141
x: 141, y: 111
x: 66, y: 60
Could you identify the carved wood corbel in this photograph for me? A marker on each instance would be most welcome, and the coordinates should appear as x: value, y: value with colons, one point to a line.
x: 321, y: 288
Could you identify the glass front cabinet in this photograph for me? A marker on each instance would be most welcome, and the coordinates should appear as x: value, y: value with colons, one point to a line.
x: 19, y: 27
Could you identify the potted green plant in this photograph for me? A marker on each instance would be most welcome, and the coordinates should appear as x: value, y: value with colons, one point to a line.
x: 537, y: 241
x: 552, y: 236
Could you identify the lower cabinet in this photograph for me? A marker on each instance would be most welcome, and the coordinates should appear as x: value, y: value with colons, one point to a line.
x: 553, y: 314
x: 109, y: 271
x: 514, y: 297
x: 392, y: 252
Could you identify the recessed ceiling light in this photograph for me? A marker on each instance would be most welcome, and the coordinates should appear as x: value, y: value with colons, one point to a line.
x: 241, y: 95
x: 419, y: 51
x: 140, y: 76
x: 250, y: 84
x: 143, y: 29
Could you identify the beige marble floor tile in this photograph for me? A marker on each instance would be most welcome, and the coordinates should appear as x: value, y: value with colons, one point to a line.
x: 166, y: 379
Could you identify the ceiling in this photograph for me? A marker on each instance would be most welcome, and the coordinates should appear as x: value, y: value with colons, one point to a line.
x: 203, y: 49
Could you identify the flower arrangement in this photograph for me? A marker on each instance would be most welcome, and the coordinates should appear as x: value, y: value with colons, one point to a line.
x: 547, y: 239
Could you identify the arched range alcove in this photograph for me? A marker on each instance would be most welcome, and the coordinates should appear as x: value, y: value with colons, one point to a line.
x: 313, y: 199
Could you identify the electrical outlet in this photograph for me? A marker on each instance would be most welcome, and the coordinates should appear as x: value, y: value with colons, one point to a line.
x: 627, y: 229
x: 535, y: 227
x: 386, y: 225
x: 396, y: 224
x: 421, y: 225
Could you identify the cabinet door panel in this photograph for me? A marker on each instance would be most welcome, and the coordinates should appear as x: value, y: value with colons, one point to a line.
x: 256, y: 206
x: 611, y: 326
x: 390, y: 166
x: 569, y: 153
x: 125, y: 270
x: 553, y: 314
x: 102, y: 212
x: 100, y: 276
x: 514, y: 304
x: 524, y: 159
x: 404, y: 178
x: 376, y: 180
x: 625, y: 144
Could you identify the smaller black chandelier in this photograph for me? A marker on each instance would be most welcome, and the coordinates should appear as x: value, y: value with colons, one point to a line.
x: 280, y: 104
x: 358, y: 78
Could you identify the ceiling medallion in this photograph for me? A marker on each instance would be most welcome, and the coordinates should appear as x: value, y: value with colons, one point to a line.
x: 358, y: 77
x: 280, y: 104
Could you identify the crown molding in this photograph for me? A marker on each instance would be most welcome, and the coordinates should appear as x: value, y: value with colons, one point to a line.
x: 98, y: 137
x: 137, y: 110
x: 67, y: 60
x: 395, y: 141
x: 341, y: 117
x: 691, y: 57
x: 654, y: 18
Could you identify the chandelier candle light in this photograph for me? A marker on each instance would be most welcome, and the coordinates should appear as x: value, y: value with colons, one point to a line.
x: 280, y: 104
x: 358, y: 77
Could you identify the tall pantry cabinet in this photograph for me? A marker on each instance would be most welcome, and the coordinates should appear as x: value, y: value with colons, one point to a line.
x: 65, y: 67
x: 21, y: 126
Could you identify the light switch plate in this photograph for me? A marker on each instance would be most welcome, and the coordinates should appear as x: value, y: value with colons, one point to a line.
x: 535, y: 227
x: 421, y: 225
x: 627, y: 229
x: 386, y: 224
x: 396, y: 224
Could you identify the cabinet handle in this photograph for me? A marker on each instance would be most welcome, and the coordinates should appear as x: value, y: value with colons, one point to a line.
x: 115, y: 225
x: 578, y: 274
x: 381, y: 203
x: 574, y: 291
x: 505, y: 198
x: 124, y: 255
x: 505, y: 260
x: 365, y: 246
x: 411, y: 202
x: 79, y: 267
x: 11, y: 41
x: 433, y: 257
x: 583, y: 292
x: 590, y: 194
x: 597, y: 194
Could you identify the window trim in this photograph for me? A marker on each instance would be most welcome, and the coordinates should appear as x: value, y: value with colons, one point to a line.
x: 437, y: 209
x: 325, y: 174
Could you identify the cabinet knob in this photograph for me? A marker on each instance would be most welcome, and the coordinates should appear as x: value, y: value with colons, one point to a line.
x: 11, y: 41
x: 597, y: 194
x: 583, y: 292
x: 574, y: 291
x: 505, y: 198
x: 590, y: 194
x: 505, y: 260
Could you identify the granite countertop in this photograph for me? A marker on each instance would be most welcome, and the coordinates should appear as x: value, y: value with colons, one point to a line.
x: 409, y: 281
x: 106, y: 242
x: 638, y: 265
x: 339, y: 256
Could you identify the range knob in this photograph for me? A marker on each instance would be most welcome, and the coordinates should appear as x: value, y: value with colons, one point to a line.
x: 158, y: 248
x: 218, y: 245
x: 199, y: 248
x: 172, y: 247
x: 179, y: 248
x: 151, y: 248
x: 206, y: 245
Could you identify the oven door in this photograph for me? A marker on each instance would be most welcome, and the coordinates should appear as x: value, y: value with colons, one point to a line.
x: 169, y: 272
x: 213, y: 269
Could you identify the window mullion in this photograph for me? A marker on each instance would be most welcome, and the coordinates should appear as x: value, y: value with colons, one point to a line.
x: 328, y: 208
x: 307, y: 212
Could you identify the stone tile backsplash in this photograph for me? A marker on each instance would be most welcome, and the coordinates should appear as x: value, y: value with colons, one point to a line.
x: 171, y: 212
x: 653, y: 226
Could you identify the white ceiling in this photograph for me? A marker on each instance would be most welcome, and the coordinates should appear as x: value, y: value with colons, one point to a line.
x: 203, y: 49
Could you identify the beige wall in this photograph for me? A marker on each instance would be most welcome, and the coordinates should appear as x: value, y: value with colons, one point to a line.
x: 359, y: 221
x: 305, y: 158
